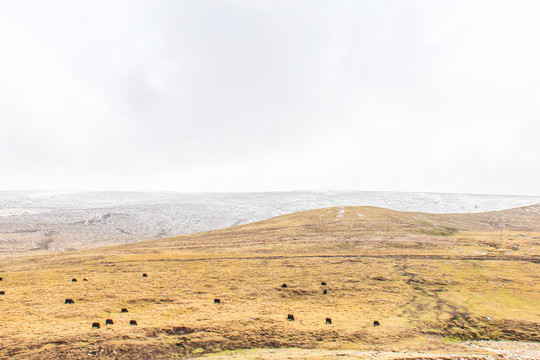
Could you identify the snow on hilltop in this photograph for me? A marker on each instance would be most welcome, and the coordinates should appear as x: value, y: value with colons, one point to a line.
x: 60, y: 221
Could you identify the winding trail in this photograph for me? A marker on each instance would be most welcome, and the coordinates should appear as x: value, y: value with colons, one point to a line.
x: 532, y: 259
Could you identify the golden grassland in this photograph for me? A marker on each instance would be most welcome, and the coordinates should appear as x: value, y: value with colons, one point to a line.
x: 433, y: 281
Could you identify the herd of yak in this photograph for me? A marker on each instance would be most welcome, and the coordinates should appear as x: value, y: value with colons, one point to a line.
x: 96, y: 325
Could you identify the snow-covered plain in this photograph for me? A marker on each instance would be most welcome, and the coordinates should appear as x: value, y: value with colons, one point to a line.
x: 60, y: 221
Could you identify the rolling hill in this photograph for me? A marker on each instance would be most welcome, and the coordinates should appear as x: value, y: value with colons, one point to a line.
x: 438, y: 284
x: 33, y: 222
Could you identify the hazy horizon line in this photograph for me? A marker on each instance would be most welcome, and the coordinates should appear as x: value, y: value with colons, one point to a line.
x: 56, y: 191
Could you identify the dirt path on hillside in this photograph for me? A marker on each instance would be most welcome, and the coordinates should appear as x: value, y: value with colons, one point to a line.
x: 495, y: 350
x: 532, y: 259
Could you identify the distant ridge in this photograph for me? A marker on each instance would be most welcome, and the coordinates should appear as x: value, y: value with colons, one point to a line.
x: 60, y: 221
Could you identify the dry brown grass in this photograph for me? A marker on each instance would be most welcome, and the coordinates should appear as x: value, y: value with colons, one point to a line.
x: 431, y: 280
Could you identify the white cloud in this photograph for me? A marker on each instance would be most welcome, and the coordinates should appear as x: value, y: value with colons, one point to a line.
x: 257, y: 95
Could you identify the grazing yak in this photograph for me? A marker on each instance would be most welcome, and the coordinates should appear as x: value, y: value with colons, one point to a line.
x: 144, y: 275
x: 290, y: 317
x: 328, y: 320
x: 109, y: 322
x: 73, y: 280
x: 1, y: 279
x: 69, y: 301
x: 217, y: 301
x: 124, y: 310
x: 376, y: 323
x: 96, y: 325
x: 323, y: 283
x: 2, y: 292
x: 284, y: 286
x: 132, y: 322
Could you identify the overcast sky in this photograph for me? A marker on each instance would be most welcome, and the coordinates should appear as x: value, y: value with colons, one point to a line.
x: 434, y: 96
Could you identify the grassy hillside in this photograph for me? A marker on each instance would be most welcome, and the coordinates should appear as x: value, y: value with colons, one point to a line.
x: 431, y: 280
